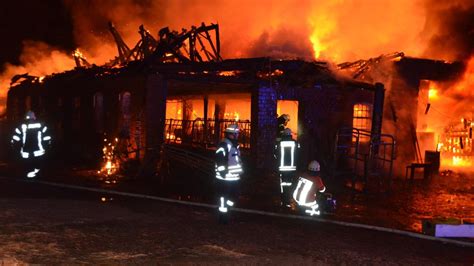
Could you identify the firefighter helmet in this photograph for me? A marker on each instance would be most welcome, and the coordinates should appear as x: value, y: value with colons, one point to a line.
x: 232, y: 128
x: 30, y: 115
x: 314, y: 166
x: 286, y: 132
x: 285, y: 117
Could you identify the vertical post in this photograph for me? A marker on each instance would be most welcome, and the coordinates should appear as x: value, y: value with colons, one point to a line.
x: 156, y: 91
x: 218, y: 116
x: 204, y: 129
x: 187, y: 117
x: 377, y: 114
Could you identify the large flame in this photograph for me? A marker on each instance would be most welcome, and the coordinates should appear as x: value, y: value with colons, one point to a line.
x: 322, y: 27
x: 451, y: 118
x: 37, y: 59
x: 339, y: 30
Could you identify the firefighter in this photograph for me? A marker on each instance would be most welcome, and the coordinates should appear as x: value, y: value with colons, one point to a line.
x: 282, y: 121
x: 228, y: 171
x: 309, y: 184
x: 32, y: 139
x: 286, y: 151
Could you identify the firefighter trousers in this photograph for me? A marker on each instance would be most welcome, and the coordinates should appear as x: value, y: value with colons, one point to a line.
x: 227, y: 193
x: 287, y: 185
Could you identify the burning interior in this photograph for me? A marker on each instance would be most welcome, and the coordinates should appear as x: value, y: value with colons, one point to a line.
x: 427, y: 107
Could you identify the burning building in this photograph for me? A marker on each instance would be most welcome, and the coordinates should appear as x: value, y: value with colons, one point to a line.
x: 427, y: 107
x: 177, y: 90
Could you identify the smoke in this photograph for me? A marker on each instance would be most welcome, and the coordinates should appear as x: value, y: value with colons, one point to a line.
x: 268, y: 44
x: 246, y: 28
x: 449, y: 30
x: 90, y: 19
x: 36, y: 59
x: 334, y: 30
x: 341, y: 30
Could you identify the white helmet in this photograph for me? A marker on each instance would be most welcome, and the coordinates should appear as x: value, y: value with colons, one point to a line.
x: 232, y: 128
x: 30, y: 115
x: 314, y: 166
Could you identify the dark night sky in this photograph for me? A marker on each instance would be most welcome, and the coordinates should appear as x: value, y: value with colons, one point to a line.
x: 46, y: 20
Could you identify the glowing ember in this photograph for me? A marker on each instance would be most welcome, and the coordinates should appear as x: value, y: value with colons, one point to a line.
x: 266, y: 74
x: 433, y: 93
x: 111, y: 161
x: 228, y: 73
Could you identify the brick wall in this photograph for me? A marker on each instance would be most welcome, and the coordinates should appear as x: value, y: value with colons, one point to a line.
x: 264, y: 126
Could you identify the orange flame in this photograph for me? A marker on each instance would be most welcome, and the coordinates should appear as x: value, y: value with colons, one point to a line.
x: 111, y: 162
x: 322, y: 27
x: 232, y: 115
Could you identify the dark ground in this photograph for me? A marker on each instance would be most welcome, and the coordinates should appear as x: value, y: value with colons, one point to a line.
x: 47, y: 225
x: 449, y: 195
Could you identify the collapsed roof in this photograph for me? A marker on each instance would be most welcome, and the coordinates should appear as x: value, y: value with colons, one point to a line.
x: 191, y: 54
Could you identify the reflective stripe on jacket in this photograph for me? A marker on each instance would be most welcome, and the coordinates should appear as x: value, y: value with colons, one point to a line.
x: 285, y: 152
x: 306, y: 189
x: 228, y: 161
x: 32, y: 137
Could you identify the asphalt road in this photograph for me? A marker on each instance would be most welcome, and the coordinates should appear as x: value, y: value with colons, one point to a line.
x: 50, y: 225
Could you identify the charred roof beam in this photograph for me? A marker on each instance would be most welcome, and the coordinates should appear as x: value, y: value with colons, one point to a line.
x: 196, y: 43
x: 123, y: 49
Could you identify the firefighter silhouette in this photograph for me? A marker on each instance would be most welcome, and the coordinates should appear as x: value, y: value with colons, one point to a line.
x: 286, y: 154
x: 32, y: 139
x: 309, y: 184
x: 228, y: 171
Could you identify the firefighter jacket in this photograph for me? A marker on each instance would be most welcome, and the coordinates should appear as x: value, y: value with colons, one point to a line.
x: 228, y: 162
x: 32, y: 138
x: 286, y: 153
x: 306, y: 189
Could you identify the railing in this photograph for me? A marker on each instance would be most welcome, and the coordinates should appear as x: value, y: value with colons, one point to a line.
x: 382, y: 155
x: 199, y: 132
x: 350, y: 151
x: 198, y: 162
x: 373, y: 157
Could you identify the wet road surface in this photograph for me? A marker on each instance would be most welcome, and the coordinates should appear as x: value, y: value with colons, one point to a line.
x: 48, y: 225
x: 449, y: 195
